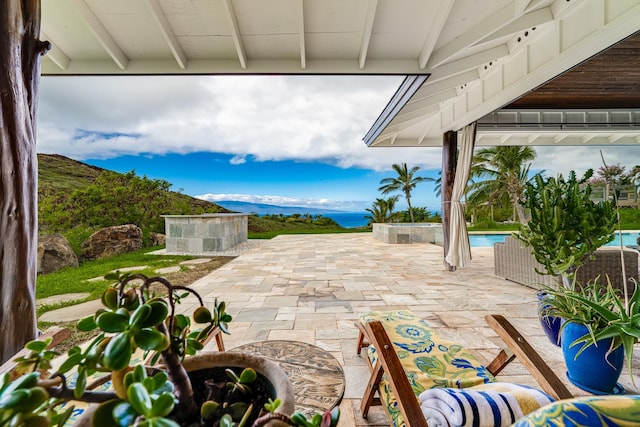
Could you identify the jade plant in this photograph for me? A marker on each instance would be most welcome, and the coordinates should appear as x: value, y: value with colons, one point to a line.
x: 566, y: 226
x: 136, y: 318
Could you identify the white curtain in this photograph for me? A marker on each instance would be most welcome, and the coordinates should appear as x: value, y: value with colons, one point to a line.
x: 459, y: 253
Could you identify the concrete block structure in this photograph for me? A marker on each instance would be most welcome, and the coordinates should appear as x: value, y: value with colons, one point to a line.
x: 407, y: 232
x: 197, y: 234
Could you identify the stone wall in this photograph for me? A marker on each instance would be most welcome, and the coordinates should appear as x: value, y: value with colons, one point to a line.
x: 406, y: 232
x: 196, y: 234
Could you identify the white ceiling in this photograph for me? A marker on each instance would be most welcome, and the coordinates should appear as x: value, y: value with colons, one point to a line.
x: 478, y: 54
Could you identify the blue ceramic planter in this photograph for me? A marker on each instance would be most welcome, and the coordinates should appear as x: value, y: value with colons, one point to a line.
x: 550, y: 324
x: 592, y: 371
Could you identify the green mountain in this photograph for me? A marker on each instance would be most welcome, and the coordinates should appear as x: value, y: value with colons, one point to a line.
x: 60, y: 176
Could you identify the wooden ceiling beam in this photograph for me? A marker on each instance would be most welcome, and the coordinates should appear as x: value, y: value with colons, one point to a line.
x: 56, y: 54
x: 303, y: 48
x: 167, y: 32
x: 439, y: 21
x: 366, y: 32
x: 480, y: 31
x: 101, y: 34
x: 235, y: 33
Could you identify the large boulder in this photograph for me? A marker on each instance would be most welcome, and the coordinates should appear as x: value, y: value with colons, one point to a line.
x: 54, y: 253
x: 112, y: 241
x: 158, y: 239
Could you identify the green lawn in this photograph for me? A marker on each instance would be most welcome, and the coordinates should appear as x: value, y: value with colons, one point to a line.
x: 72, y: 279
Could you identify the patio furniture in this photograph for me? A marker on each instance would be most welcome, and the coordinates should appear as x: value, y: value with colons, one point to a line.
x: 406, y: 358
x: 516, y: 263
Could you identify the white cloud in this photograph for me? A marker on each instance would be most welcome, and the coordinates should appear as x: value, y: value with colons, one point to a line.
x: 238, y: 160
x: 286, y: 201
x: 306, y: 118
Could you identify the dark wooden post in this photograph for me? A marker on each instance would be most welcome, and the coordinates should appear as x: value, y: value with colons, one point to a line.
x: 20, y: 52
x: 449, y: 160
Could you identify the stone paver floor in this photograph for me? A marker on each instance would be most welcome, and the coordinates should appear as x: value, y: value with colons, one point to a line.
x: 312, y: 288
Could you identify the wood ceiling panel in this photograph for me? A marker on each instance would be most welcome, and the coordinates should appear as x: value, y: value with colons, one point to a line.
x: 609, y: 79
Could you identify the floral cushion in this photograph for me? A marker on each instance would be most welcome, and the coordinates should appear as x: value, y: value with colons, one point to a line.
x: 428, y: 360
x: 587, y: 411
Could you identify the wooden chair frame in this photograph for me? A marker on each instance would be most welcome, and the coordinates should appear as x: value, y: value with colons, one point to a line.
x: 388, y: 363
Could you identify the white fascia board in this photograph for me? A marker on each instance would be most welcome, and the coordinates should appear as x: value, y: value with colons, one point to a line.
x: 399, y: 67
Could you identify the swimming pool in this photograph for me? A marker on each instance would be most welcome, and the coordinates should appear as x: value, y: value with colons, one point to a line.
x: 487, y: 240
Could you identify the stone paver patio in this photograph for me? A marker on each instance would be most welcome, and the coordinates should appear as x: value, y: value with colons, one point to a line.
x: 312, y: 288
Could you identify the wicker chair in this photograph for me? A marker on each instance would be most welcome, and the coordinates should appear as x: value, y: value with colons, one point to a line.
x: 516, y: 263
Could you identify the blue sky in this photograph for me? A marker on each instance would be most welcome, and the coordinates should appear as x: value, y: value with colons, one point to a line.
x: 286, y: 140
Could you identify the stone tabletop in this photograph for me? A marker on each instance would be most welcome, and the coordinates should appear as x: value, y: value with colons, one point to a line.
x: 317, y: 377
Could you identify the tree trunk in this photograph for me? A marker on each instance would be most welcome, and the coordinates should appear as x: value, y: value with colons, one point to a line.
x: 410, y: 208
x: 20, y: 52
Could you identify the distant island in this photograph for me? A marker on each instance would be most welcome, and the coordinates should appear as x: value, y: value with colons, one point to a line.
x: 266, y: 209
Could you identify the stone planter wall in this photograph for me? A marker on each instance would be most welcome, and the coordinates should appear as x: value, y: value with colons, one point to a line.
x: 194, y: 234
x: 407, y: 232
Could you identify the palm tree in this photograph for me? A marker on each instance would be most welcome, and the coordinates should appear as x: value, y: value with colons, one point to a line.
x: 405, y: 182
x: 382, y: 210
x: 504, y: 172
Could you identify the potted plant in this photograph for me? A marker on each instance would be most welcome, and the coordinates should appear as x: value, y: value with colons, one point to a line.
x: 564, y: 230
x: 139, y: 315
x: 565, y: 226
x: 599, y: 331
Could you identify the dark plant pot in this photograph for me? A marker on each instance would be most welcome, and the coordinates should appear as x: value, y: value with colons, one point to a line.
x: 592, y: 370
x: 550, y: 324
x: 278, y: 380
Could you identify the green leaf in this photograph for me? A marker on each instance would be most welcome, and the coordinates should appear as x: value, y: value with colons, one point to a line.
x: 139, y: 398
x: 202, y: 315
x: 112, y: 322
x: 159, y: 312
x: 110, y: 298
x: 81, y: 383
x: 118, y: 352
x: 226, y: 421
x: 209, y: 409
x: 125, y: 414
x: 160, y: 379
x: 37, y: 345
x: 247, y: 376
x: 163, y: 405
x: 140, y: 315
x: 150, y: 339
x: 87, y: 324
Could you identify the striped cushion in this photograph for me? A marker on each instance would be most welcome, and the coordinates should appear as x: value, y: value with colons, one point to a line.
x: 494, y: 404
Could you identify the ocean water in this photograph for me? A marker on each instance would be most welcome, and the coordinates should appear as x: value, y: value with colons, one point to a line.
x: 348, y: 219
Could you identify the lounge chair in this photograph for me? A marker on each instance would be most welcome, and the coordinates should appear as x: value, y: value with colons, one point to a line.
x: 397, y: 384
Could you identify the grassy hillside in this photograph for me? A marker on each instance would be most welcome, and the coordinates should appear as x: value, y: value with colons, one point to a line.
x: 62, y: 175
